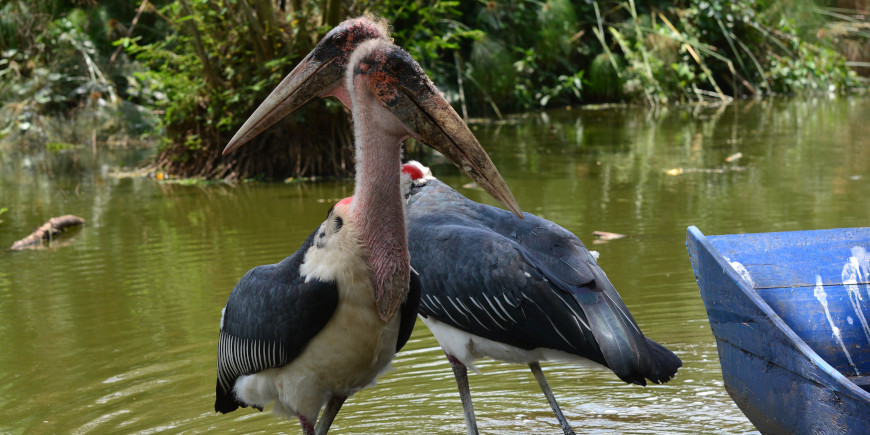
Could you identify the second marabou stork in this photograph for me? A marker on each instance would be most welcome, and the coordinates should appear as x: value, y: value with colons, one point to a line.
x: 518, y: 290
x: 325, y: 322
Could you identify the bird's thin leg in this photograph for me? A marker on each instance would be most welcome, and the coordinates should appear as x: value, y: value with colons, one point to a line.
x: 545, y: 387
x: 307, y: 427
x: 332, y: 408
x: 461, y: 374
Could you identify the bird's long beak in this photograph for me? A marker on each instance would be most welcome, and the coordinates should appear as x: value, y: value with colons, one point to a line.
x: 431, y: 119
x: 310, y: 79
x: 318, y: 75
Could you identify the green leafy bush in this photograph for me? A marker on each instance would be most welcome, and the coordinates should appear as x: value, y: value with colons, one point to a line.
x: 202, y: 66
x: 57, y: 61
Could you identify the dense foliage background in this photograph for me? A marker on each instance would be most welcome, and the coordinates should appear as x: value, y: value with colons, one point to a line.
x: 189, y: 72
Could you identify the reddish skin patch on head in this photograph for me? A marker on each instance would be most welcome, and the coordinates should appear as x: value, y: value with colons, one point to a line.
x: 383, y: 84
x: 355, y: 31
x: 358, y: 31
x: 344, y: 202
x: 414, y: 172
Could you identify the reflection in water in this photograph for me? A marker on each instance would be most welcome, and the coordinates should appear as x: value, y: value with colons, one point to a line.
x: 117, y: 330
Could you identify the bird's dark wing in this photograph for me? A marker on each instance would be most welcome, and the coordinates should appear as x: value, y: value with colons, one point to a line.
x: 409, y: 311
x: 479, y: 282
x: 568, y: 265
x: 528, y: 283
x: 269, y: 318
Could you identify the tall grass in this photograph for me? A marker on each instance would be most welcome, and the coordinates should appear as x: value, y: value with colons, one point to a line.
x: 719, y: 50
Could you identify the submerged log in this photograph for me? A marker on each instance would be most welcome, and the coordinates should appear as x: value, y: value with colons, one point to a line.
x: 54, y: 227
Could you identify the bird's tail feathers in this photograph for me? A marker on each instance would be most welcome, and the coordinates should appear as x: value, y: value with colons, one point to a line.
x: 226, y: 401
x: 631, y: 355
x: 664, y: 363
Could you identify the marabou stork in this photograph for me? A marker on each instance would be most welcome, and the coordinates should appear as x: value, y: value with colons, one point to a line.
x: 521, y: 291
x: 326, y: 321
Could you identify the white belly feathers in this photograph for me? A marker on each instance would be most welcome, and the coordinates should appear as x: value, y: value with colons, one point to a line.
x: 351, y: 351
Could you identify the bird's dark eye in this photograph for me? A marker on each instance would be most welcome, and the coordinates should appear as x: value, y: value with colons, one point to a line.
x: 394, y: 67
x: 338, y: 224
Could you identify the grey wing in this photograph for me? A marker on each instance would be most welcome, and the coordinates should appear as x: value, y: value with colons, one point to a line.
x: 480, y: 282
x: 568, y: 265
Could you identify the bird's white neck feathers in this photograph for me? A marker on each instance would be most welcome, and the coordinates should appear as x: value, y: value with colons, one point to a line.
x: 334, y: 253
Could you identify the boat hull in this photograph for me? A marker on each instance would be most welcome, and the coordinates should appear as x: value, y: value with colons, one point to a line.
x: 767, y: 296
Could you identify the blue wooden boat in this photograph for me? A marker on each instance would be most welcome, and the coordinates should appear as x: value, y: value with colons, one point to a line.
x: 790, y: 313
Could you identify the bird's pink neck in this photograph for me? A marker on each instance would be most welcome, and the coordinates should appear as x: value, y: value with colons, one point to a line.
x: 377, y: 195
x: 378, y: 207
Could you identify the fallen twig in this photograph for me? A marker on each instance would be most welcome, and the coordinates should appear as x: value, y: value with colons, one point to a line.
x: 48, y: 230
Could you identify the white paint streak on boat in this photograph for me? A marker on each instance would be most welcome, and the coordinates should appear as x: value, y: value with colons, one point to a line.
x: 860, y: 253
x: 851, y: 275
x: 822, y: 296
x: 742, y: 271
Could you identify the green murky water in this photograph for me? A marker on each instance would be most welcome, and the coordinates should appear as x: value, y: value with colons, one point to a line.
x: 114, y: 328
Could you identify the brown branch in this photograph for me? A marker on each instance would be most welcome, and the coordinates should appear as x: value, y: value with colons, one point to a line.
x: 48, y: 230
x: 129, y: 32
x: 332, y: 12
x: 210, y: 74
x: 258, y: 38
x: 267, y: 14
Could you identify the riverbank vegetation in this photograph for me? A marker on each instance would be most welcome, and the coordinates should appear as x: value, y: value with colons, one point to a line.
x: 188, y: 72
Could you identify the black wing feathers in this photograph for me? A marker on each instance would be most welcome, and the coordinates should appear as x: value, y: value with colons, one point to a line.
x: 270, y: 316
x: 483, y: 285
x: 529, y: 283
x: 409, y: 312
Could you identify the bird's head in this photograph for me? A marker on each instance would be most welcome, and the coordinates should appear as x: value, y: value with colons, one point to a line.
x: 319, y: 74
x: 388, y: 78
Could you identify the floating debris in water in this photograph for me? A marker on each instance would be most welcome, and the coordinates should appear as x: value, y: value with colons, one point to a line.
x: 48, y: 231
x: 680, y: 171
x: 604, y: 237
x: 733, y: 157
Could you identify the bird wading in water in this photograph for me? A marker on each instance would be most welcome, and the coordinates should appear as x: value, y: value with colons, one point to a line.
x: 520, y: 291
x: 325, y: 322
